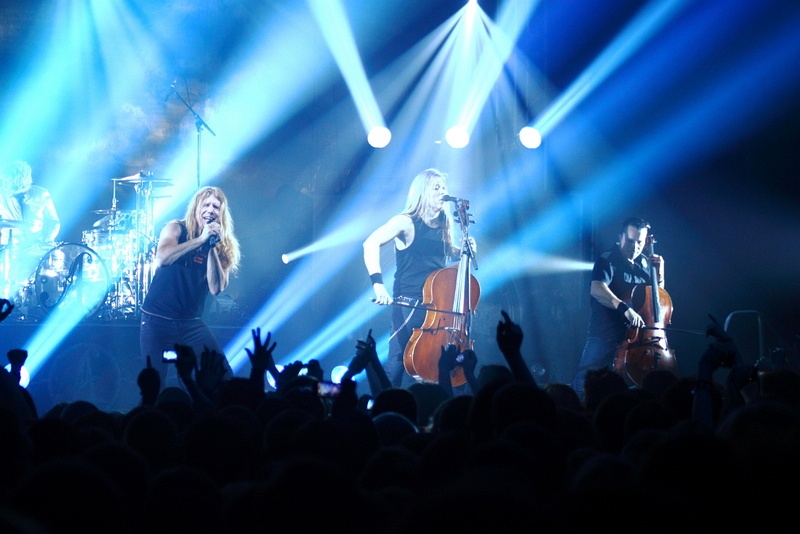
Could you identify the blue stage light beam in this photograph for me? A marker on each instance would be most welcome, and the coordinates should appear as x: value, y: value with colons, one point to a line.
x: 249, y: 101
x: 346, y: 234
x: 77, y: 73
x: 686, y: 131
x: 335, y: 27
x: 431, y: 86
x: 486, y: 49
x: 648, y: 23
x: 304, y: 282
x: 337, y: 330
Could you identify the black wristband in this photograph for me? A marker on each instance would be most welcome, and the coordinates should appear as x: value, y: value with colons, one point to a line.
x: 376, y: 278
x: 623, y: 307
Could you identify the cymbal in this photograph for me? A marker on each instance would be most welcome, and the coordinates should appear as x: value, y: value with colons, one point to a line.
x: 10, y: 223
x: 154, y: 181
x: 111, y: 212
x: 142, y: 178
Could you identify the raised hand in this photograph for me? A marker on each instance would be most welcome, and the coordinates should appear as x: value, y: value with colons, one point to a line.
x: 314, y: 369
x: 365, y: 355
x: 365, y: 352
x: 149, y: 382
x: 289, y: 373
x: 186, y: 362
x: 211, y: 371
x: 261, y: 355
x: 509, y: 341
x: 470, y: 362
x: 17, y: 357
x: 509, y: 336
x: 359, y: 361
x: 448, y: 358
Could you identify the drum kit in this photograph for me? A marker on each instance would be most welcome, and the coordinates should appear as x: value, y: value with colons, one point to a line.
x: 105, y: 277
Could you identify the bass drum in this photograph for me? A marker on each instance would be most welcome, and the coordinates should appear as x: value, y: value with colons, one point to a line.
x: 72, y: 278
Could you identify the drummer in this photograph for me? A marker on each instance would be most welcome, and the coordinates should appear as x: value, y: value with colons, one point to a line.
x: 29, y: 225
x: 27, y: 211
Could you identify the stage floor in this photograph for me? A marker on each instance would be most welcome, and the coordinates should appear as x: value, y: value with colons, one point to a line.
x: 96, y: 362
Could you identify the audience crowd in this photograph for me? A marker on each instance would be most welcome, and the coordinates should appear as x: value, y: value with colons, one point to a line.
x: 508, y: 454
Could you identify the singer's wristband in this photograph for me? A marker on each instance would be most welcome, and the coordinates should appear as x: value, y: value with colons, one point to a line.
x: 376, y: 278
x: 623, y: 307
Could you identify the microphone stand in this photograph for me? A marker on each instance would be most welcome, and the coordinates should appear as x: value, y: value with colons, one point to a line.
x: 199, y: 124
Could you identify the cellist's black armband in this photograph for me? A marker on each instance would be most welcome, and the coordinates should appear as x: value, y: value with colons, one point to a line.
x: 623, y: 307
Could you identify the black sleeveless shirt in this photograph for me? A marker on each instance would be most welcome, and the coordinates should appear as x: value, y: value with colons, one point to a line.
x: 179, y: 290
x: 417, y: 261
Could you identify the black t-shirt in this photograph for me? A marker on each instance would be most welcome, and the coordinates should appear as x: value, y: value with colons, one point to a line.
x: 417, y: 261
x: 179, y: 290
x: 621, y: 276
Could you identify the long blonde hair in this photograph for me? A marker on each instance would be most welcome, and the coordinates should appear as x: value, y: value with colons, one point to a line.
x: 418, y: 202
x: 228, y: 246
x: 15, y: 178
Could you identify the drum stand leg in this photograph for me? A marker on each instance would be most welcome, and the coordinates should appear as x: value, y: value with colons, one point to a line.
x: 141, y: 282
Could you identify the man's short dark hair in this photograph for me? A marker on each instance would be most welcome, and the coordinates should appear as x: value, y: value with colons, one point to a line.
x: 636, y: 222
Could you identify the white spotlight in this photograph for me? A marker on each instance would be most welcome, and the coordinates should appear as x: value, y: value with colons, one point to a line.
x: 285, y: 258
x: 530, y: 137
x: 24, y: 376
x: 457, y: 136
x: 337, y: 373
x: 379, y: 137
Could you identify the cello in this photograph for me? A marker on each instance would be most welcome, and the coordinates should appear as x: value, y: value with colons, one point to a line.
x: 450, y: 296
x: 646, y: 349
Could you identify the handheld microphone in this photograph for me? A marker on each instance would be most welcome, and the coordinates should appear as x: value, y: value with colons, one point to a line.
x: 448, y: 198
x: 213, y: 240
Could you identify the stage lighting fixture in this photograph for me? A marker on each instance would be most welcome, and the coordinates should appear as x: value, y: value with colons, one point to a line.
x: 457, y: 137
x: 530, y: 137
x: 379, y: 137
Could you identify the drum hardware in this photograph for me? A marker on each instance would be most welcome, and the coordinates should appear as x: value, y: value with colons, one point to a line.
x: 125, y: 242
x: 18, y: 260
x: 142, y: 178
x: 114, y: 219
x: 10, y: 223
x: 105, y: 277
x: 71, y: 277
